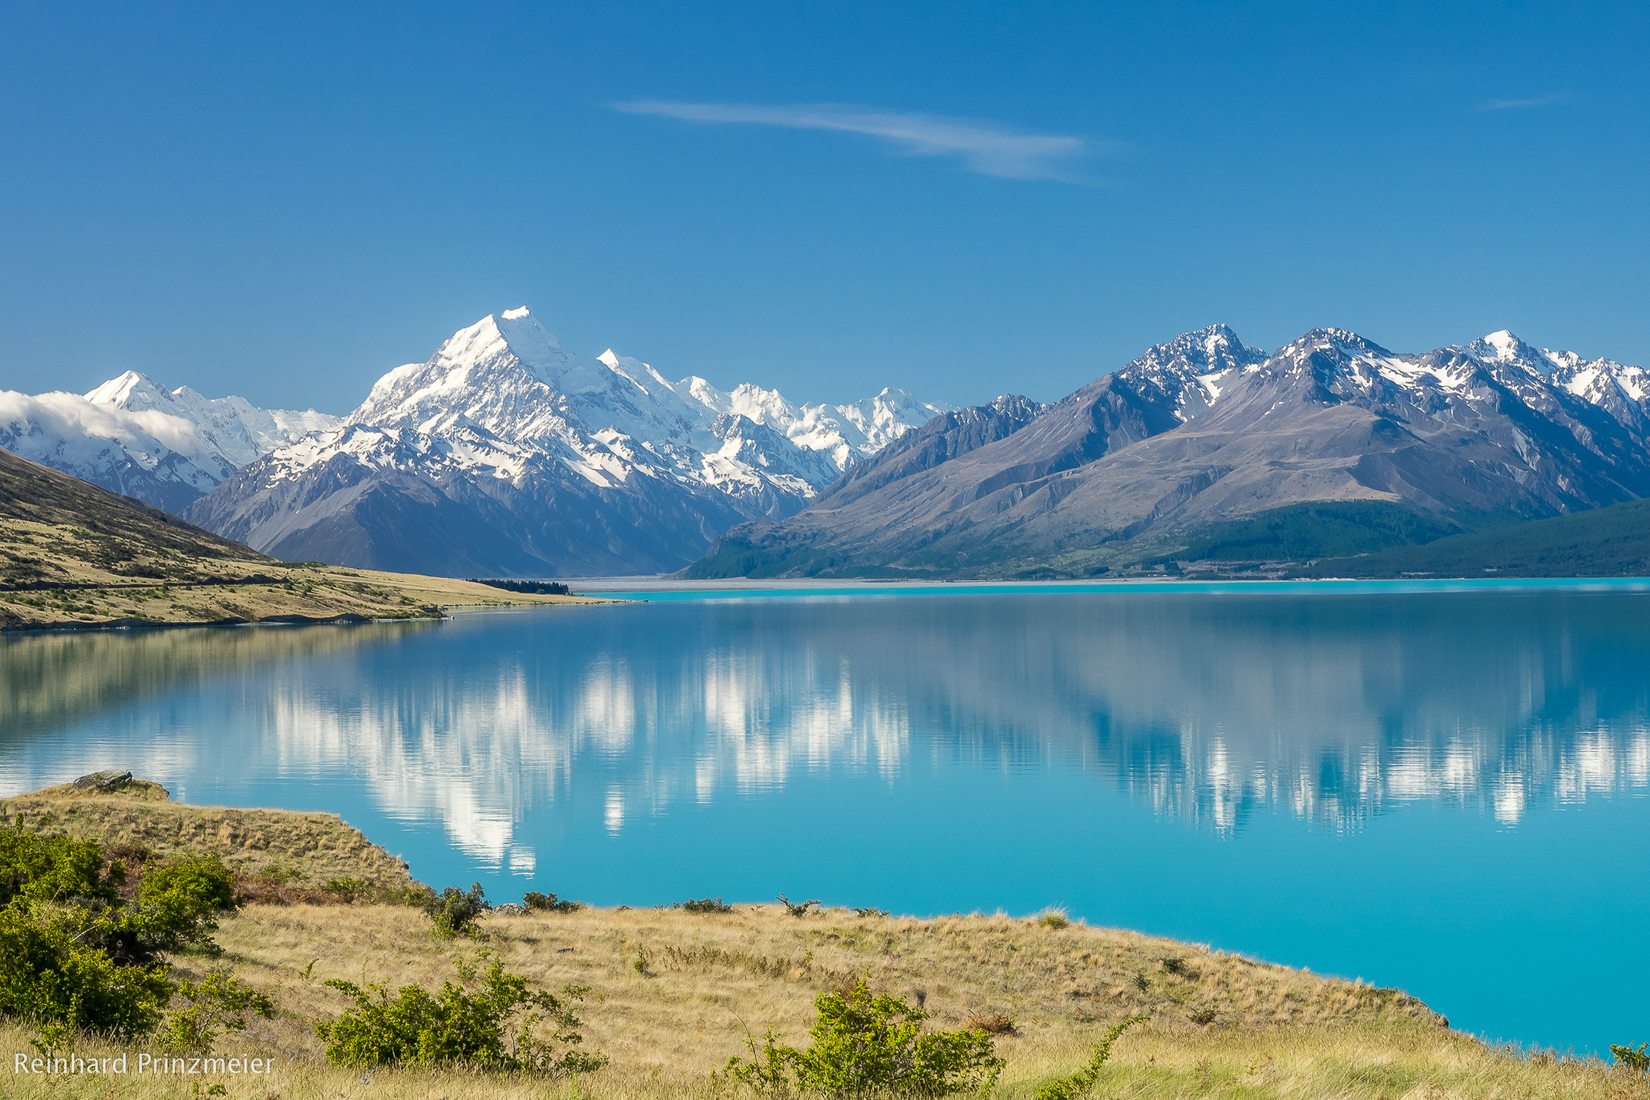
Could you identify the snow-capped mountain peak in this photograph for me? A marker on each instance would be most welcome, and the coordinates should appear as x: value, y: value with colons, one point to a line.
x: 1190, y: 372
x: 503, y: 401
x: 1500, y: 346
x: 133, y: 435
x: 128, y: 390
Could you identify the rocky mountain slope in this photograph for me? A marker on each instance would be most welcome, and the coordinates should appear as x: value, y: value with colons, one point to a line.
x: 1204, y: 430
x: 131, y: 435
x: 506, y: 454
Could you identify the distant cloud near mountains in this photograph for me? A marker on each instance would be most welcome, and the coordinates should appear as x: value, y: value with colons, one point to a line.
x: 985, y: 148
x: 1551, y: 99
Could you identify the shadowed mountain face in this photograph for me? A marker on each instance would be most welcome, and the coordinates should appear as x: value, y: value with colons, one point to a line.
x: 1204, y: 430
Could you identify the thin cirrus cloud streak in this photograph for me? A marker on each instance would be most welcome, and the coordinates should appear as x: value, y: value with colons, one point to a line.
x: 1552, y: 99
x: 986, y: 148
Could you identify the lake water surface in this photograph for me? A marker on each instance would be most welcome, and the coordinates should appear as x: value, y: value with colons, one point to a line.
x: 1442, y: 790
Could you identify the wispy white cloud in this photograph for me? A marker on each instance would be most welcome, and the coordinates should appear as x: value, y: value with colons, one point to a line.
x: 987, y: 148
x: 1551, y: 99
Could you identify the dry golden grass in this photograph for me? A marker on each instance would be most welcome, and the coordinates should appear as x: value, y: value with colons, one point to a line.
x: 275, y: 854
x: 675, y: 994
x: 72, y: 554
x: 220, y: 590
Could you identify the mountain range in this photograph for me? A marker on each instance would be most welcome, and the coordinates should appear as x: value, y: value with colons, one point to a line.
x: 504, y: 454
x: 1328, y: 432
x: 164, y: 447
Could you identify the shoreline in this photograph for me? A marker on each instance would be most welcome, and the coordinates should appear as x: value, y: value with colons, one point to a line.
x: 308, y: 595
x: 621, y: 587
x: 675, y: 992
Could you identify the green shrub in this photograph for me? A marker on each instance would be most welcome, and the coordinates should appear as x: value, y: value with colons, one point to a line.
x: 703, y: 905
x: 493, y: 1027
x: 1633, y: 1057
x: 454, y: 911
x: 75, y: 956
x: 349, y: 889
x: 50, y: 977
x: 1053, y: 918
x: 178, y: 903
x: 1079, y: 1083
x: 536, y: 902
x: 214, y: 1004
x: 866, y: 1043
x: 41, y: 868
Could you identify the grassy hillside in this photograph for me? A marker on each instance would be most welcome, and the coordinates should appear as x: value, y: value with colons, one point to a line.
x: 72, y: 554
x: 1302, y: 532
x: 1604, y: 542
x: 1372, y: 539
x: 673, y: 994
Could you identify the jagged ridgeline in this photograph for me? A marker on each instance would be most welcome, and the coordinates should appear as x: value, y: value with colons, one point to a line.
x: 1204, y: 450
x: 505, y: 455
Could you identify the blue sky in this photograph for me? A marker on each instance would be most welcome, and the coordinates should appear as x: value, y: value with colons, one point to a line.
x: 285, y: 201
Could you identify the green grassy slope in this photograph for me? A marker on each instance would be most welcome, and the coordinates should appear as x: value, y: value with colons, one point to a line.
x: 1302, y: 532
x: 1604, y: 542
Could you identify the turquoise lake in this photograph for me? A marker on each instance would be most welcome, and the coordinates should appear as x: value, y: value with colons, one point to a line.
x: 1440, y: 788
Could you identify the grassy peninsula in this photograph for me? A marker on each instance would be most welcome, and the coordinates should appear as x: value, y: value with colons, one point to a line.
x: 674, y: 993
x: 75, y: 555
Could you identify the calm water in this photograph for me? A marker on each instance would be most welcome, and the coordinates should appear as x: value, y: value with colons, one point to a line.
x: 1447, y: 791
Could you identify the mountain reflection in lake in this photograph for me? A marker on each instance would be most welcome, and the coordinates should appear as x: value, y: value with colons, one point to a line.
x: 1419, y: 789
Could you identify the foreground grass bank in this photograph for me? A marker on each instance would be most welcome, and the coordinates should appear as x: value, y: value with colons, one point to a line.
x: 674, y: 994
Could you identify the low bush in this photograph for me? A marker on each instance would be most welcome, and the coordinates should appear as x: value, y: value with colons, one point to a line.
x: 349, y: 889
x: 703, y: 905
x: 1080, y: 1083
x: 1176, y: 965
x: 39, y: 868
x: 992, y: 1023
x: 494, y: 1026
x: 178, y: 903
x: 212, y: 1005
x: 798, y: 908
x: 1633, y: 1057
x: 51, y: 978
x: 536, y: 902
x: 1054, y: 918
x: 455, y: 911
x: 81, y: 951
x: 871, y: 1044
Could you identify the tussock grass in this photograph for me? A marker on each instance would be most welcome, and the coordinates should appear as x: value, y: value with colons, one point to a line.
x: 276, y: 855
x: 674, y: 995
x: 224, y: 590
